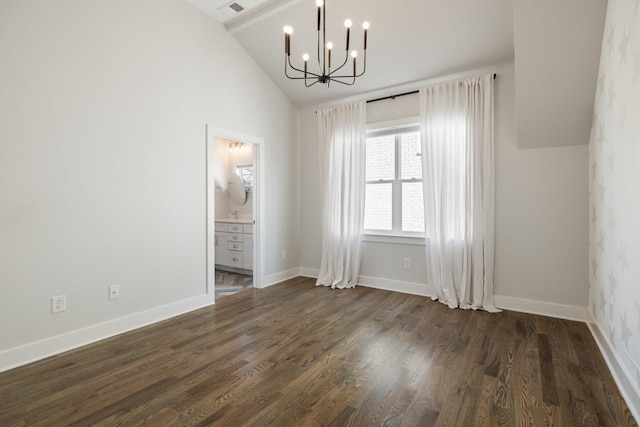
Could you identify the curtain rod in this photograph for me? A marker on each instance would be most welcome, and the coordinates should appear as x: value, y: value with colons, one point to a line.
x: 400, y: 94
x: 392, y: 96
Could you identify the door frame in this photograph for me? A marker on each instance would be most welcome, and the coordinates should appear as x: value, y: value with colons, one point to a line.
x: 213, y: 132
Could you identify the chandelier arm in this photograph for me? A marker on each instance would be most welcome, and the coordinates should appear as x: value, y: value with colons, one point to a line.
x: 346, y: 58
x: 301, y: 78
x: 309, y: 85
x: 364, y: 66
x: 336, y: 78
x: 297, y: 69
x: 351, y: 75
x: 314, y: 76
x: 285, y: 67
x: 333, y: 79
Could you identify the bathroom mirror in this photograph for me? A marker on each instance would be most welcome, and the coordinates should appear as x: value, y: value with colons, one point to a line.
x: 236, y: 190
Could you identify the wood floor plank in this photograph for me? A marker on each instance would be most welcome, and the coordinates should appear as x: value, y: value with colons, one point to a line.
x: 552, y: 416
x: 295, y: 354
x: 486, y: 402
x: 548, y: 378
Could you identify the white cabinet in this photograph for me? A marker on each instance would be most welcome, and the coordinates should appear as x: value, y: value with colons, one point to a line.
x: 220, y: 244
x: 247, y: 252
x: 234, y: 245
x: 235, y: 248
x: 234, y: 228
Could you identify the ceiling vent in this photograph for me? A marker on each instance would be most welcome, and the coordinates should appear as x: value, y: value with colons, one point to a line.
x: 231, y: 9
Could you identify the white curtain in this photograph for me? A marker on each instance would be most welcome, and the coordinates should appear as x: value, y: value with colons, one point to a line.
x: 342, y: 175
x: 458, y: 172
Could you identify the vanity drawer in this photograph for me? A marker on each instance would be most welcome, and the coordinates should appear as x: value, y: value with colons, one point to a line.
x: 235, y: 237
x: 247, y: 228
x: 220, y: 226
x: 235, y: 246
x: 235, y: 260
x: 234, y: 228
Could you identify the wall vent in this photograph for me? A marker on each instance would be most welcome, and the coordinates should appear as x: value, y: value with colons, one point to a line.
x: 231, y: 9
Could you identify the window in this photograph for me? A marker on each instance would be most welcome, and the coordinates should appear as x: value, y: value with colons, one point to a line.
x: 393, y: 194
x: 246, y: 173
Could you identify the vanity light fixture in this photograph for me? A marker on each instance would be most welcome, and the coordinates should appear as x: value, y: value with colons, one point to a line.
x: 236, y: 146
x: 325, y: 75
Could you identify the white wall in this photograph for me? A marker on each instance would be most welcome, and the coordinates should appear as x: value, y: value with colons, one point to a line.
x: 614, y: 234
x: 541, y: 216
x: 220, y: 168
x: 102, y: 163
x: 557, y: 45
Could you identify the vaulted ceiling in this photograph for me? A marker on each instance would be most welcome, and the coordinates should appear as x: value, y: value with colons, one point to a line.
x: 555, y: 44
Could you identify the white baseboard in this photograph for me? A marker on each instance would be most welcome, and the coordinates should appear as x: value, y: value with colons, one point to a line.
x: 421, y: 289
x: 561, y: 311
x: 309, y: 272
x: 508, y: 303
x: 272, y: 279
x: 621, y: 375
x: 379, y: 283
x: 18, y: 356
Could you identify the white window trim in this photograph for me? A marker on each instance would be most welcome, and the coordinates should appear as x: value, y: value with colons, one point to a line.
x: 374, y: 236
x: 393, y: 125
x: 394, y: 236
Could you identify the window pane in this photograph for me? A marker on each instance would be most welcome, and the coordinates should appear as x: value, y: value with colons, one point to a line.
x: 412, y: 207
x: 246, y: 173
x: 377, y: 207
x: 380, y: 158
x: 411, y: 163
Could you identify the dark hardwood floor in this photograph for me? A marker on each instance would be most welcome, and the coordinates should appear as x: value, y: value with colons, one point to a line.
x: 297, y: 355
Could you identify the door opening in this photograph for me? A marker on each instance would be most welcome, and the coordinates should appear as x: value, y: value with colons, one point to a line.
x: 233, y: 212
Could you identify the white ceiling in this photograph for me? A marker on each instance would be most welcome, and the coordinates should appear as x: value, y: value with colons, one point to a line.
x: 556, y: 50
x: 222, y: 11
x: 409, y: 40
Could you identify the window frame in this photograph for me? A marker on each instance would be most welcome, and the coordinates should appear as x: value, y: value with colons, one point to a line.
x: 395, y: 235
x: 248, y: 185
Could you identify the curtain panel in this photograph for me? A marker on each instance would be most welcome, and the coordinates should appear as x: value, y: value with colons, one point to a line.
x: 458, y: 172
x: 342, y: 175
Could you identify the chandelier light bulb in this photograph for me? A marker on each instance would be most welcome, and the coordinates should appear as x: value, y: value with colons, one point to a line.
x: 354, y: 53
x: 348, y: 23
x: 329, y: 45
x: 287, y: 30
x: 319, y: 3
x: 305, y: 57
x: 365, y: 25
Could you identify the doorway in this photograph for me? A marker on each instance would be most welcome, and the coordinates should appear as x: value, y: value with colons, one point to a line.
x: 234, y: 212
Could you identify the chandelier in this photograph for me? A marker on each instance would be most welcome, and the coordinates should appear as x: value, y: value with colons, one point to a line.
x: 325, y: 75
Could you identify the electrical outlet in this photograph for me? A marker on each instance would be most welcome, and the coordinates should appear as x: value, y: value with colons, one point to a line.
x: 114, y: 292
x: 284, y: 255
x: 58, y: 304
x: 407, y: 263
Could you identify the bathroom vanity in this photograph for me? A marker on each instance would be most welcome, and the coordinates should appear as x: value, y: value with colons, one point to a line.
x: 234, y: 245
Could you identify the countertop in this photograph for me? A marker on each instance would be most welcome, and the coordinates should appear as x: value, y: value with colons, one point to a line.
x: 235, y: 221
